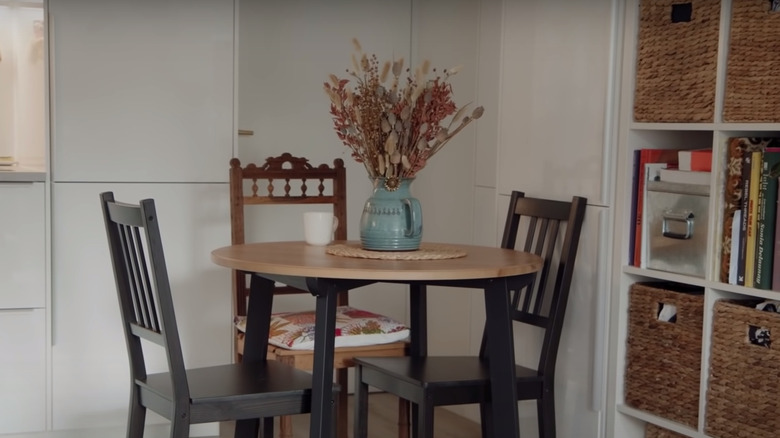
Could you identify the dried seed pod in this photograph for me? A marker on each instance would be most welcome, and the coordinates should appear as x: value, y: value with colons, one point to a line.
x: 395, y: 157
x: 381, y: 164
x: 405, y: 162
x: 406, y: 113
x: 422, y: 143
x: 477, y: 113
x: 390, y: 143
x: 385, y: 126
x: 423, y: 128
x: 442, y: 134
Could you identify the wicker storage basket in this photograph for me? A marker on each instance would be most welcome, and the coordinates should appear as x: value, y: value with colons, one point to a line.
x: 653, y: 431
x: 743, y: 399
x: 664, y: 358
x: 752, y: 88
x: 676, y: 62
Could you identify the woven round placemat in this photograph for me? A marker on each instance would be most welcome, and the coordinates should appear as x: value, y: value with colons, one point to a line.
x: 427, y: 251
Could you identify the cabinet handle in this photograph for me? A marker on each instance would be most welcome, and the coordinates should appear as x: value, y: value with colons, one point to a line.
x: 246, y: 132
x: 677, y: 225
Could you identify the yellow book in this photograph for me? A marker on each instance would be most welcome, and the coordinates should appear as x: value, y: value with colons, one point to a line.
x: 752, y: 220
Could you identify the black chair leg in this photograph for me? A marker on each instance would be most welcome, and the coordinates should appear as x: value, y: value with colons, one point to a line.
x: 485, y: 419
x: 136, y: 416
x: 546, y: 412
x: 267, y: 431
x: 180, y: 428
x: 361, y: 405
x: 425, y: 420
x: 247, y: 428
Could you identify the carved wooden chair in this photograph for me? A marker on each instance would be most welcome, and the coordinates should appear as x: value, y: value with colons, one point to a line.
x: 286, y: 180
x: 435, y: 381
x: 184, y: 396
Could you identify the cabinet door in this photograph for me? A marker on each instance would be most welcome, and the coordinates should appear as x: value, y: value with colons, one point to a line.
x: 22, y: 245
x: 554, y: 98
x: 22, y: 370
x: 141, y: 91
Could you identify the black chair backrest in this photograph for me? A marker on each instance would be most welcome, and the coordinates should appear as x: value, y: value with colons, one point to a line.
x: 543, y: 304
x: 143, y: 287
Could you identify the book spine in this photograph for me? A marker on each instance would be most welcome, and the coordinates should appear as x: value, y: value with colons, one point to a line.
x: 767, y: 201
x: 736, y: 220
x: 634, y: 195
x: 776, y: 252
x: 746, y: 171
x: 750, y: 249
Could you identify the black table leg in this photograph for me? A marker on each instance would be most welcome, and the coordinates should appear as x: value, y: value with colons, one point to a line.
x: 258, y: 321
x: 322, y: 422
x: 505, y: 422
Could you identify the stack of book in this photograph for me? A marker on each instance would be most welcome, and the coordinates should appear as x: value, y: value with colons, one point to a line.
x: 750, y: 215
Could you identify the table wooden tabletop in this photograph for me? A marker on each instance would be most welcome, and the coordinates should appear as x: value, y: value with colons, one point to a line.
x: 299, y: 259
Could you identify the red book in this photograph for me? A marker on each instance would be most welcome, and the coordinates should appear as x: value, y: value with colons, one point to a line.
x: 696, y: 160
x: 668, y: 156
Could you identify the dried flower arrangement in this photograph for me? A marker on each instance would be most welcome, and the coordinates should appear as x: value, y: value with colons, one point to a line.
x: 394, y: 127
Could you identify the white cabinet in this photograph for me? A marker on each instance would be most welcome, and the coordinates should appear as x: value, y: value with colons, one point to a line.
x: 22, y: 302
x: 142, y: 91
x: 22, y: 245
x: 625, y: 421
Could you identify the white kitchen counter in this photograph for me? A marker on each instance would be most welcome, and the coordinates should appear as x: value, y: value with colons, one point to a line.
x: 22, y: 173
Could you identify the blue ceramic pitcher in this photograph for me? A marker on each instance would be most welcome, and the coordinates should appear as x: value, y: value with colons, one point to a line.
x: 392, y: 218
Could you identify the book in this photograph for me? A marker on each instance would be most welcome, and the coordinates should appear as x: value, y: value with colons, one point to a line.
x: 685, y: 176
x: 699, y: 160
x: 634, y: 196
x: 648, y: 155
x: 746, y: 172
x: 767, y: 210
x: 736, y: 220
x: 752, y: 220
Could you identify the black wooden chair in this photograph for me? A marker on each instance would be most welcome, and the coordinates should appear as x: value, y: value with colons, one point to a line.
x: 245, y: 391
x: 435, y: 381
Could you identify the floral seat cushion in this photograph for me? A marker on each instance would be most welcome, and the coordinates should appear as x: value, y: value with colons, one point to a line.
x: 354, y: 328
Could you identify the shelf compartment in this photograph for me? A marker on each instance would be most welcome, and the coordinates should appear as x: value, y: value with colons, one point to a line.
x: 752, y: 91
x: 676, y: 61
x: 742, y: 395
x: 663, y: 365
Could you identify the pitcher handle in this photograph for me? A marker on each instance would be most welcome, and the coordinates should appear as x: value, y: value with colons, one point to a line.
x: 413, y: 217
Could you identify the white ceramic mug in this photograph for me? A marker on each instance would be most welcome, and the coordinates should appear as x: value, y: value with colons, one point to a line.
x: 319, y: 226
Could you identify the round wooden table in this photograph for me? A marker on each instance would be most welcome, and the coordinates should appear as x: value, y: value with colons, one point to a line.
x: 495, y: 270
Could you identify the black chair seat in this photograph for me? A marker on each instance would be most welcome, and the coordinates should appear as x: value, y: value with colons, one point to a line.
x: 438, y: 371
x: 282, y: 388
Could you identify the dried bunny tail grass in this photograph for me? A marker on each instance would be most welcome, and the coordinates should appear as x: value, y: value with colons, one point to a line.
x: 385, y: 71
x: 453, y: 71
x: 355, y: 64
x: 334, y: 80
x: 426, y: 67
x: 356, y: 44
x: 398, y: 67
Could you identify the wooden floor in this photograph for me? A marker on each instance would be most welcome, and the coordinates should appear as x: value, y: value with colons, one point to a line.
x: 382, y: 418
